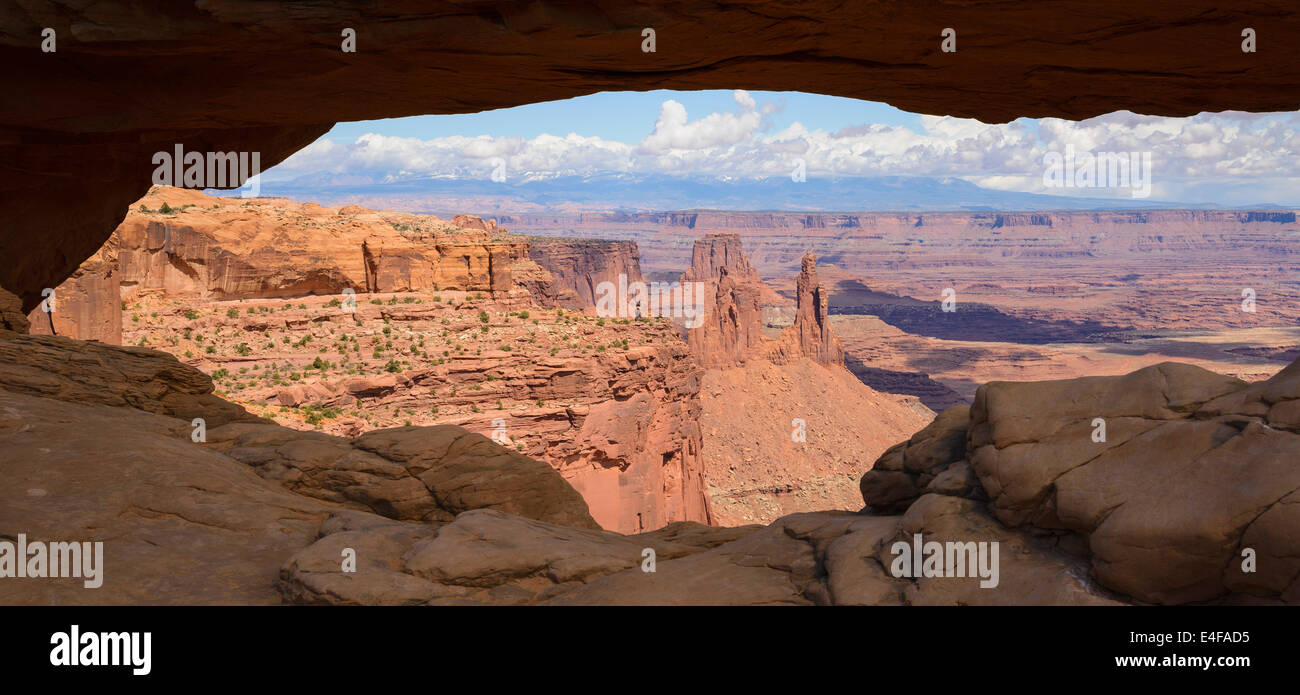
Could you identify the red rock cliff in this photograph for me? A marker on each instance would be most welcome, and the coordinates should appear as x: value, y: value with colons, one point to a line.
x: 580, y: 265
x: 87, y: 305
x: 183, y: 243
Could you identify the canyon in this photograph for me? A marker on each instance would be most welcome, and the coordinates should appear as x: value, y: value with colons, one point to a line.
x: 345, y: 321
x: 1128, y: 289
x: 99, y: 441
x: 411, y: 380
x: 442, y: 516
x: 1111, y: 270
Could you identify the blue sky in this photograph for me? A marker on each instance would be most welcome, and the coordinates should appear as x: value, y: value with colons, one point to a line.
x: 1229, y: 158
x: 628, y: 116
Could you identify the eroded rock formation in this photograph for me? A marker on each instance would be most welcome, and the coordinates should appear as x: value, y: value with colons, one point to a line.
x: 773, y: 445
x: 732, y: 331
x: 612, y: 406
x: 1165, y: 479
x: 82, y: 129
x: 810, y: 336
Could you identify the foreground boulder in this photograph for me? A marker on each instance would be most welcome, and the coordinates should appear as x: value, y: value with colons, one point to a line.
x: 819, y: 558
x: 1194, y: 469
x: 408, y: 473
x: 89, y: 372
x: 909, y: 468
x: 1172, y: 481
x: 179, y: 524
x: 99, y: 445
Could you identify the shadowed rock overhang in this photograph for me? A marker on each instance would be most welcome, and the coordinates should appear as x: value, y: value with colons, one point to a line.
x: 79, y: 127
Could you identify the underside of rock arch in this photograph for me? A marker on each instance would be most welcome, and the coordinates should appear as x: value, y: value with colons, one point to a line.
x: 79, y: 125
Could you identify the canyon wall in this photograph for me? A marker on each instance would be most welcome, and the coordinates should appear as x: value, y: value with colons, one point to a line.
x: 231, y: 248
x: 87, y: 305
x: 200, y: 246
x: 614, y: 406
x: 776, y: 241
x: 580, y: 265
x: 408, y: 265
x: 621, y: 426
x: 1109, y: 270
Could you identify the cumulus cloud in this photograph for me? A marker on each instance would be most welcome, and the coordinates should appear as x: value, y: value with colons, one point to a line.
x: 1191, y: 156
x: 673, y: 130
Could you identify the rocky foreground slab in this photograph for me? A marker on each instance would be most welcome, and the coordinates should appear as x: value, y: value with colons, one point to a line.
x: 1195, y: 469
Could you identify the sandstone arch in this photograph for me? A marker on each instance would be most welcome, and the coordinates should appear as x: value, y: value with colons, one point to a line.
x: 78, y: 126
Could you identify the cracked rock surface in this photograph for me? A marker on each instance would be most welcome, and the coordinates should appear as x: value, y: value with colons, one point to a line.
x: 1194, y: 469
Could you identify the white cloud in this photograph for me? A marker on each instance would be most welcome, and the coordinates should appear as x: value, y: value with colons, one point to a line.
x: 673, y: 131
x: 1192, y: 156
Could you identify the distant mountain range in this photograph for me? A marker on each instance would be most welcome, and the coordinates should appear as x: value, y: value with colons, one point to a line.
x: 618, y: 192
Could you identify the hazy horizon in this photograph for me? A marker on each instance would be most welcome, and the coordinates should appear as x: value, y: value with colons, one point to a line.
x: 712, y: 149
